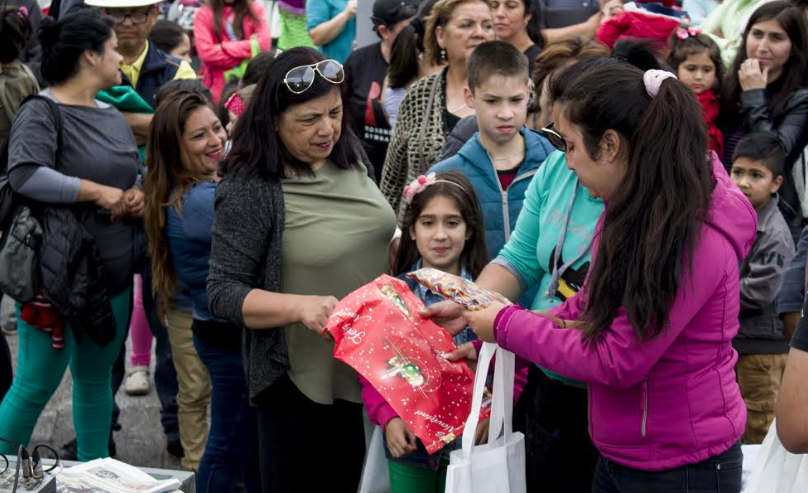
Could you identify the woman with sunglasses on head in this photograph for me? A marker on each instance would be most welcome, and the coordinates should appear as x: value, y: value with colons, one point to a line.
x: 294, y: 170
x: 435, y: 104
x: 226, y: 33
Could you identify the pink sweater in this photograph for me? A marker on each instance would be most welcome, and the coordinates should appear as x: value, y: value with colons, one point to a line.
x: 671, y: 400
x: 220, y: 56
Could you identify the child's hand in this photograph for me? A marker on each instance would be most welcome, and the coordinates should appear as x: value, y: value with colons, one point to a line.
x: 400, y: 439
x: 481, y: 433
x: 464, y: 351
x: 482, y: 321
x: 447, y: 314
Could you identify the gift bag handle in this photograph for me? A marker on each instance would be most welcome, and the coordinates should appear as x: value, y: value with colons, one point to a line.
x: 502, y: 397
x: 483, y: 363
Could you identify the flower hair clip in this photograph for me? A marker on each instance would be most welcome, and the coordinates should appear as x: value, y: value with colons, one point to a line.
x: 418, y: 185
x: 683, y: 34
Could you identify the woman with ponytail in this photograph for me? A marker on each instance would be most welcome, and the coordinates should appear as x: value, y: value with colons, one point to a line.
x: 85, y: 179
x: 185, y: 146
x: 658, y: 311
x: 16, y: 80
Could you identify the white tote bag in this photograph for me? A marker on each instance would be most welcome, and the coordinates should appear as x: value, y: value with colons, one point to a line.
x: 499, y: 465
x: 777, y: 470
x: 375, y: 475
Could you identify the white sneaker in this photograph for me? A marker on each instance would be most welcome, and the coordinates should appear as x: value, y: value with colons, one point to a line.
x: 138, y: 381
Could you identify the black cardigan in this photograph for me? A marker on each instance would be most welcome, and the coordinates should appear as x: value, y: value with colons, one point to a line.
x: 246, y: 255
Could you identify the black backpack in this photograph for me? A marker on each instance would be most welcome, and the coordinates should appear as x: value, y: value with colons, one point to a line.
x: 20, y: 232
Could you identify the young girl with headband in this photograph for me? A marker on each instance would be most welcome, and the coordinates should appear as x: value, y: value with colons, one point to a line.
x: 442, y: 229
x: 696, y: 60
x: 660, y: 304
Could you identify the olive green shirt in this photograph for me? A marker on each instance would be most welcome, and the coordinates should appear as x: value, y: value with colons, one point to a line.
x: 336, y: 239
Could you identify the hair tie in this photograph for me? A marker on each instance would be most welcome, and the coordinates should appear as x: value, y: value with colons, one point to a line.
x: 653, y: 80
x: 421, y: 183
x: 22, y: 13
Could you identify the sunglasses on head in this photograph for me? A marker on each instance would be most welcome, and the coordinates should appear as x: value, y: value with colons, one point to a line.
x: 555, y: 138
x: 300, y: 79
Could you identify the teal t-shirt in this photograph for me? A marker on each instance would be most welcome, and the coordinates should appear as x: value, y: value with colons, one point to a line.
x: 320, y: 11
x: 530, y: 251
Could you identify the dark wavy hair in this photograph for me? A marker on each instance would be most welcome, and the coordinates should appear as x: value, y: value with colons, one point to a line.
x: 475, y: 254
x: 534, y: 24
x: 167, y: 179
x: 64, y: 41
x: 257, y: 150
x: 653, y: 220
x: 15, y: 31
x: 795, y: 73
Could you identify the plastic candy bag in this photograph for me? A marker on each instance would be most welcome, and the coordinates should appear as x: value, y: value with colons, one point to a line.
x: 456, y: 288
x: 377, y: 330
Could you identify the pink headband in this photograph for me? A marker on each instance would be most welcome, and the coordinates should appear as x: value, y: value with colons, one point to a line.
x: 22, y: 13
x: 653, y: 80
x: 235, y: 104
x: 420, y: 184
x: 683, y: 34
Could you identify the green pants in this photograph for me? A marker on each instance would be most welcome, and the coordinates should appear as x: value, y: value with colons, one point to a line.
x: 413, y: 479
x: 40, y: 369
x: 293, y: 31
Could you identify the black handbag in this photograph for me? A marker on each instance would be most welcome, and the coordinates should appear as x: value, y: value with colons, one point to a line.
x: 20, y: 231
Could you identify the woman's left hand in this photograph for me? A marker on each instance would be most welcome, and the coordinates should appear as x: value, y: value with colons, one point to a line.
x: 751, y: 76
x: 135, y: 201
x: 482, y: 321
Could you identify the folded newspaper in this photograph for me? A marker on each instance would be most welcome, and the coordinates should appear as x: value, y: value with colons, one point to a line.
x: 111, y: 476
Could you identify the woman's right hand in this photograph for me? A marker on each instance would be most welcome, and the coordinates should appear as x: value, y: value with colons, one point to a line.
x: 313, y: 311
x: 400, y: 439
x: 111, y: 199
x: 447, y: 314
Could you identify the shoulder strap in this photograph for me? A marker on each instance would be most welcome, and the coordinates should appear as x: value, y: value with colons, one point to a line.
x: 425, y: 122
x: 56, y: 115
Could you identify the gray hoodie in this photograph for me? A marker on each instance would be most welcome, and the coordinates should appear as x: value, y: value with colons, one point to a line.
x: 761, y: 273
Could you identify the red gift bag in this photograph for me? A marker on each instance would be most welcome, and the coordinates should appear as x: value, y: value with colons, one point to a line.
x: 377, y: 330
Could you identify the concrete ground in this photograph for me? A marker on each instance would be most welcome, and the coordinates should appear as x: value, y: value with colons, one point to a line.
x: 141, y: 441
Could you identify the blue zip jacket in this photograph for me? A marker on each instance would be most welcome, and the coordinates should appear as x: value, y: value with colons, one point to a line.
x: 500, y: 208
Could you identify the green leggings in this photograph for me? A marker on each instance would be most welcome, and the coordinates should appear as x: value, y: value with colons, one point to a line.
x: 413, y: 479
x: 40, y: 369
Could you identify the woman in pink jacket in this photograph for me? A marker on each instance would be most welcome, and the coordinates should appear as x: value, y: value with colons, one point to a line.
x: 227, y: 32
x: 660, y: 306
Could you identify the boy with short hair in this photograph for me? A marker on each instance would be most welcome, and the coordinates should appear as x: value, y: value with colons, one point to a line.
x: 757, y: 169
x: 502, y: 157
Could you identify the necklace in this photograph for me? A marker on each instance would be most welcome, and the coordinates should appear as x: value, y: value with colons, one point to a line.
x: 450, y: 110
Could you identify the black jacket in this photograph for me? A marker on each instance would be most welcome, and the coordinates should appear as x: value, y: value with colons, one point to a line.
x: 72, y: 276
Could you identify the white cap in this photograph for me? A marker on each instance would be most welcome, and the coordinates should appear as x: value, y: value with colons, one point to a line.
x: 120, y: 4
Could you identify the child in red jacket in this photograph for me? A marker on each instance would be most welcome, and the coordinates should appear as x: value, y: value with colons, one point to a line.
x: 696, y: 60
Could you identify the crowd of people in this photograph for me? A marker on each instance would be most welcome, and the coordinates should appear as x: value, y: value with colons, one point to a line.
x: 634, y: 179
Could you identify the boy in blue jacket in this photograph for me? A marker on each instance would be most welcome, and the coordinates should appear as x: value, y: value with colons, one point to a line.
x: 502, y: 157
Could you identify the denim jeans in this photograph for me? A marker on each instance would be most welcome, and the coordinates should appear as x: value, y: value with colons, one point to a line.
x: 719, y: 474
x: 233, y: 438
